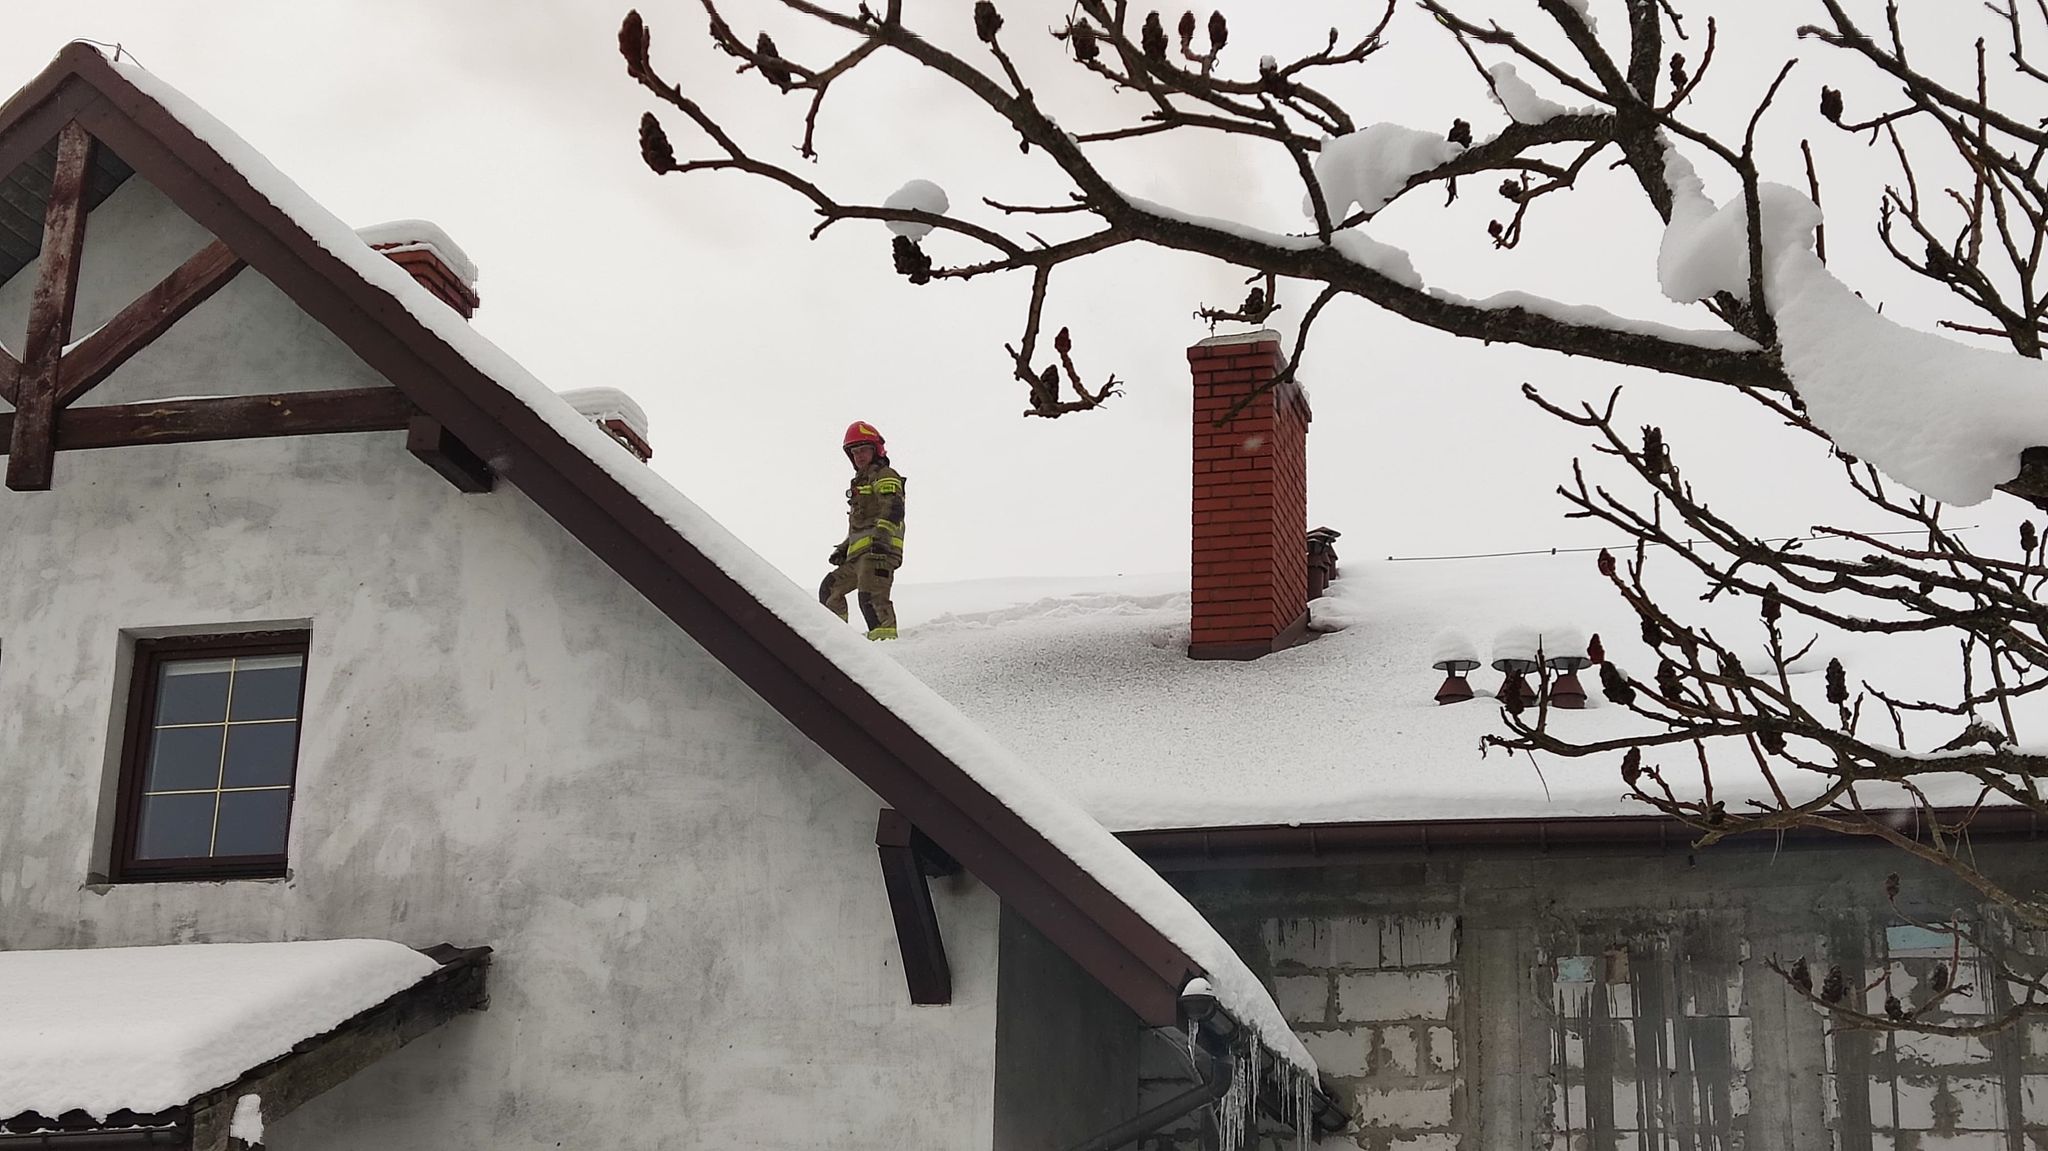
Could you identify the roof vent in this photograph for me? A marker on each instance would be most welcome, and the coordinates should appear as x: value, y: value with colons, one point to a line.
x: 615, y: 412
x: 423, y: 249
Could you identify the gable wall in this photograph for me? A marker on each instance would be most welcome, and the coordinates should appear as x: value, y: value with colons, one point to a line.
x: 504, y: 744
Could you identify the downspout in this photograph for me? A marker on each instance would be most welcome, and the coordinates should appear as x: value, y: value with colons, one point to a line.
x: 1216, y: 1053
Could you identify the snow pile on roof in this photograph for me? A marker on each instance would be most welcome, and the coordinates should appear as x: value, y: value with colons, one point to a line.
x: 148, y: 1028
x: 1013, y: 783
x: 1943, y: 418
x: 422, y: 236
x: 1372, y: 165
x: 1094, y: 677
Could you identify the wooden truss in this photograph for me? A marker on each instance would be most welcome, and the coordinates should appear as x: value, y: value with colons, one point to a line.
x: 53, y: 373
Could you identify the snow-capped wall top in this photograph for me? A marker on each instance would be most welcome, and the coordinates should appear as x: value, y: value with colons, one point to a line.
x: 603, y: 404
x: 149, y: 1028
x: 421, y: 235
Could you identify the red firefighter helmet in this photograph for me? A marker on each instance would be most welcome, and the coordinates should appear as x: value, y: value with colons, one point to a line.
x: 860, y: 432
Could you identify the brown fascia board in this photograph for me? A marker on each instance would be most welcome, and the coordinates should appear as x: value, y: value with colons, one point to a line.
x: 1104, y: 935
x: 1335, y: 844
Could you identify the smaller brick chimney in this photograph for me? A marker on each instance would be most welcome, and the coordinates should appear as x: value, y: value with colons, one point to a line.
x: 1250, y: 560
x: 422, y: 248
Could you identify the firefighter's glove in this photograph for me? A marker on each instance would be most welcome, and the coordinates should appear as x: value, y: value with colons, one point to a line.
x: 838, y: 557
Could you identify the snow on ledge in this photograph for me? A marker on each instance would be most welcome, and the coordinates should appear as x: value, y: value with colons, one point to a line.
x: 148, y: 1028
x: 603, y: 404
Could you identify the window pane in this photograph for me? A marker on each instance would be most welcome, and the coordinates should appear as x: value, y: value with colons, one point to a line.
x: 267, y: 687
x: 184, y: 758
x: 193, y: 691
x: 175, y: 826
x: 252, y: 822
x: 260, y: 754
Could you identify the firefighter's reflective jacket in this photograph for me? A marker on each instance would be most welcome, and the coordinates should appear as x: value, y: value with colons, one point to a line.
x: 874, y: 513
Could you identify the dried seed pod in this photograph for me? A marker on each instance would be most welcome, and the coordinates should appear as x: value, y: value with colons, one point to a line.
x: 2029, y: 539
x: 1152, y: 38
x: 1802, y: 976
x: 1731, y: 666
x: 1596, y: 652
x: 1669, y: 684
x: 1605, y: 562
x: 1838, y: 683
x: 1494, y: 229
x: 1653, y: 448
x: 911, y: 260
x: 987, y: 21
x: 1510, y: 190
x: 1894, y: 1010
x: 1678, y: 76
x: 1773, y: 607
x: 769, y: 64
x: 1219, y: 32
x: 1834, y: 986
x: 655, y: 149
x: 1632, y: 766
x: 1063, y: 342
x: 1460, y: 134
x: 1831, y: 105
x: 1082, y: 36
x: 633, y: 44
x: 1772, y: 739
x: 1652, y: 634
x: 1614, y: 685
x: 1187, y: 31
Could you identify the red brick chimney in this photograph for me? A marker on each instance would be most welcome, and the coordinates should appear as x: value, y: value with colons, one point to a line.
x: 423, y: 249
x: 1250, y: 588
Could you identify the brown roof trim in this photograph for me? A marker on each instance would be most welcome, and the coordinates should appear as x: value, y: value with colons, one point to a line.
x: 1333, y: 844
x: 1106, y: 936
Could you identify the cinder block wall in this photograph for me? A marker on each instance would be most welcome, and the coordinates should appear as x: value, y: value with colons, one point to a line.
x: 1467, y: 1002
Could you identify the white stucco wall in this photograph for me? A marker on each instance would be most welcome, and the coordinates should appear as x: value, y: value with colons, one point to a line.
x: 503, y: 744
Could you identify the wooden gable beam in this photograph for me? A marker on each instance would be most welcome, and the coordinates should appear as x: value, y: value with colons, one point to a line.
x: 144, y: 319
x: 227, y: 418
x: 10, y: 371
x: 437, y: 447
x: 32, y: 445
x: 908, y: 862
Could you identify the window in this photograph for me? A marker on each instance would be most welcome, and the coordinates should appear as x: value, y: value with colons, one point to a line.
x: 211, y: 755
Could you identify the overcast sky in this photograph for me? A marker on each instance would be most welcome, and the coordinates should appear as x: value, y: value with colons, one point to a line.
x: 512, y: 124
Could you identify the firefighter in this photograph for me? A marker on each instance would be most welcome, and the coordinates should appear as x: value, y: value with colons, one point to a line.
x: 873, y: 549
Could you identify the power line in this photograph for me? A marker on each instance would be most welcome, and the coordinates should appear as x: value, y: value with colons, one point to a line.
x: 1688, y: 543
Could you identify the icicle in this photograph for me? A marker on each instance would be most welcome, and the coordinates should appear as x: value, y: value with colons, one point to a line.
x: 1194, y: 1034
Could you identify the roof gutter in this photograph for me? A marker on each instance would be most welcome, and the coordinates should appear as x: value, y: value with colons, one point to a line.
x: 1323, y: 844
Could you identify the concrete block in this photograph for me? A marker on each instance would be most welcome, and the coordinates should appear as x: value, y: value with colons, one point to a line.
x: 1963, y: 1141
x: 1389, y: 995
x: 1397, y: 1051
x: 1419, y: 941
x: 1942, y: 1050
x: 2034, y: 1099
x: 1352, y: 943
x: 1979, y: 1102
x: 1443, y: 1049
x: 1303, y: 999
x: 1915, y: 1101
x: 1405, y: 1107
x: 1341, y: 1054
x: 1434, y: 1141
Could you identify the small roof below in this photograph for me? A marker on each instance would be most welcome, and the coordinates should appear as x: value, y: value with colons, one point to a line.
x: 146, y: 1029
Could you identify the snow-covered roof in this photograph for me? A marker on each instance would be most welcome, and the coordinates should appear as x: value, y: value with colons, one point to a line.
x: 145, y: 1029
x: 1093, y: 676
x: 778, y: 626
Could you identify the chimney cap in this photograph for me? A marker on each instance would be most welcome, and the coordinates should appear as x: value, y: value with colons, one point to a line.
x: 1261, y: 336
x: 421, y: 236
